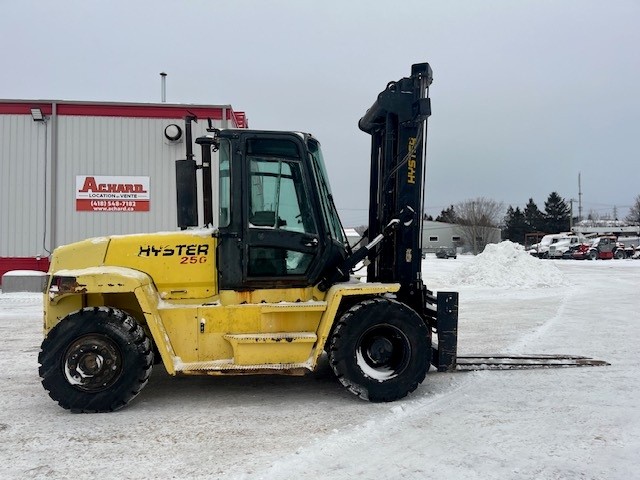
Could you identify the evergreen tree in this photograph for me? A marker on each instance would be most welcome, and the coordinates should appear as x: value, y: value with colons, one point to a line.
x: 534, y: 217
x: 556, y: 214
x: 515, y: 225
x: 448, y: 215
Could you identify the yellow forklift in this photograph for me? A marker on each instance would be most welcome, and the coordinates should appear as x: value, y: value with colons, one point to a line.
x: 268, y: 290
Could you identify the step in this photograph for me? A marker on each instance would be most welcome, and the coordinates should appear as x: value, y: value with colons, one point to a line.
x: 227, y: 366
x: 271, y: 348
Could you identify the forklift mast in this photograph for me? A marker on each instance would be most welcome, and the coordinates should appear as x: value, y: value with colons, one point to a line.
x: 397, y: 125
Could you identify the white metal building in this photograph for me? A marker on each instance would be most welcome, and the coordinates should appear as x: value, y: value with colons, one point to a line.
x: 441, y: 234
x: 74, y: 170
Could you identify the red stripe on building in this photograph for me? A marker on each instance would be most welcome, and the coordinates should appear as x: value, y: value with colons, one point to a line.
x: 24, y: 108
x: 138, y: 111
x: 124, y: 110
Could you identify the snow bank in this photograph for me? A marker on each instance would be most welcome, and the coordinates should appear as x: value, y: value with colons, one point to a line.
x: 25, y: 273
x: 506, y: 264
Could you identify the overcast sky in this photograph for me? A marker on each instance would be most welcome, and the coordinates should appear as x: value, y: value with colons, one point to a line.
x: 526, y: 94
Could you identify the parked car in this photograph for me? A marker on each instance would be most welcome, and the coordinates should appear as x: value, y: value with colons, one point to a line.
x: 585, y: 251
x: 568, y: 255
x: 627, y: 247
x: 446, y: 252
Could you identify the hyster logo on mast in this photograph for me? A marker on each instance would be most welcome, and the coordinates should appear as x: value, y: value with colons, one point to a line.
x: 412, y: 163
x: 112, y: 194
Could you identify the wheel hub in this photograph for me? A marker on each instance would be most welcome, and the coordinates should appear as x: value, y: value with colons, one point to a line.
x: 92, y: 363
x: 384, y: 350
x: 381, y: 350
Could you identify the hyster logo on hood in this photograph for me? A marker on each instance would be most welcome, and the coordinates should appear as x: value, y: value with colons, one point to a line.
x: 170, y: 250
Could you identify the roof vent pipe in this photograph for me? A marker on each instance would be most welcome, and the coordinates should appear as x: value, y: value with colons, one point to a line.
x: 163, y: 81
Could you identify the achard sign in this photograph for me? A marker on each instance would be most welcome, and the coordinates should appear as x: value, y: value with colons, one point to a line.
x: 112, y: 194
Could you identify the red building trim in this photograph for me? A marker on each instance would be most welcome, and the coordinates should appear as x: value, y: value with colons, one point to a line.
x: 23, y: 263
x: 23, y: 107
x: 138, y: 111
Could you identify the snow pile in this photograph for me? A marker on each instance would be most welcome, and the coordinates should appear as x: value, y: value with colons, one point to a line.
x: 506, y: 264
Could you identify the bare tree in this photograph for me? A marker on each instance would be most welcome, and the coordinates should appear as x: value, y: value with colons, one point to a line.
x: 477, y: 220
x: 634, y: 212
x: 593, y: 216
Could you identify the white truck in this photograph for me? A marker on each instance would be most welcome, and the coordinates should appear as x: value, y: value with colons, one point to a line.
x: 542, y: 248
x: 564, y: 245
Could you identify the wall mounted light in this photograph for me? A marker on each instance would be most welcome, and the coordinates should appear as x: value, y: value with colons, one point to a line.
x: 173, y: 132
x: 37, y: 115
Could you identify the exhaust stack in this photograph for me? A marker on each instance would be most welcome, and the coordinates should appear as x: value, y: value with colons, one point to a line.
x: 163, y: 85
x: 186, y: 184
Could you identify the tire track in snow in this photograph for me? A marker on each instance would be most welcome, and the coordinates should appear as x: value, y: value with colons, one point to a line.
x: 541, y: 331
x: 330, y: 456
x: 337, y: 455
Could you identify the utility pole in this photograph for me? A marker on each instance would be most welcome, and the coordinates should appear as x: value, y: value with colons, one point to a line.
x: 571, y: 200
x: 579, y: 199
x: 473, y: 231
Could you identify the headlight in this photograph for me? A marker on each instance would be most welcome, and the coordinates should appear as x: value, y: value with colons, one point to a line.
x: 62, y: 285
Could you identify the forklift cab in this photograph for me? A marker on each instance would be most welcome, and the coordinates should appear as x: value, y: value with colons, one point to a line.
x: 277, y: 223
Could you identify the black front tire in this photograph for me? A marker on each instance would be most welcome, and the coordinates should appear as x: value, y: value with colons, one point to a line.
x: 380, y: 350
x: 95, y: 360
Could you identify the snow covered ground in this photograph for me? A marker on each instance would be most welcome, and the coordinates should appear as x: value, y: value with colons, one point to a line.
x: 578, y: 423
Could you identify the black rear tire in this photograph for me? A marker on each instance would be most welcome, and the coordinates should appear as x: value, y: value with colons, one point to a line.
x: 95, y: 360
x: 380, y: 350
